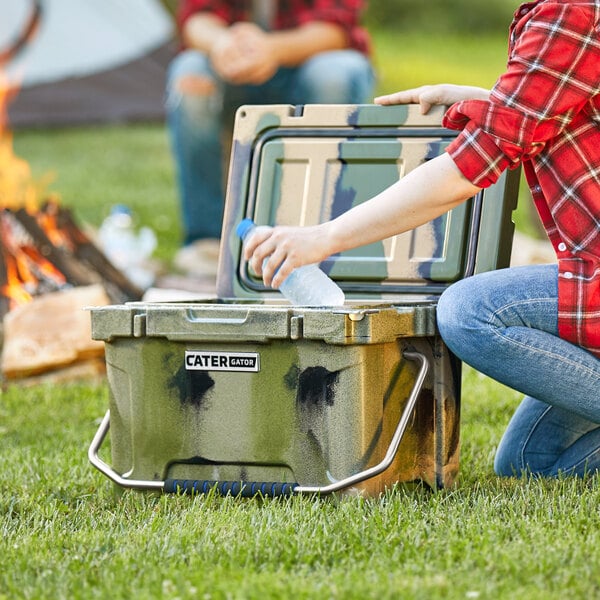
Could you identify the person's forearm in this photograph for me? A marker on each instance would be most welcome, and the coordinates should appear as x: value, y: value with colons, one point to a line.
x: 417, y: 198
x: 420, y: 196
x: 202, y: 30
x: 293, y: 46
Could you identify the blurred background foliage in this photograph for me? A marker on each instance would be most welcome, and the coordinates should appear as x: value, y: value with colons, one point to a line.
x: 441, y: 16
x: 438, y: 16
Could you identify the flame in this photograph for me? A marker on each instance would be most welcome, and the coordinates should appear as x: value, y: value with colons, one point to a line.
x: 15, y: 178
x: 44, y: 268
x: 14, y: 289
x: 26, y: 270
x: 17, y: 187
x: 48, y: 221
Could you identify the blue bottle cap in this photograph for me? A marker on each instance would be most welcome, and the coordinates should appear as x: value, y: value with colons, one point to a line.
x: 120, y: 209
x: 244, y: 227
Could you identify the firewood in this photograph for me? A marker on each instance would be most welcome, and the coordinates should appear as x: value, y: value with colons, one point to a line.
x: 50, y: 332
x: 85, y: 250
x: 74, y: 272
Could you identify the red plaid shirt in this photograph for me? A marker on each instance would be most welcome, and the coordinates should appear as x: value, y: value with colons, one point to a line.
x: 290, y: 14
x: 544, y: 112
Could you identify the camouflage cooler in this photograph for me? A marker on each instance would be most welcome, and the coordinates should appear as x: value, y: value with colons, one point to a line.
x: 247, y: 394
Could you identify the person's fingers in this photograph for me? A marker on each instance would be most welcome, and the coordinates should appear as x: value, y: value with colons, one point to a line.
x: 432, y: 96
x: 256, y: 239
x: 260, y: 254
x: 402, y: 97
x: 282, y: 272
x: 425, y: 105
x: 423, y: 96
x: 272, y: 272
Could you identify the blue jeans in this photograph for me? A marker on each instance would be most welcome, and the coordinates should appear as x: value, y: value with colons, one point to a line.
x: 197, y: 123
x: 504, y: 324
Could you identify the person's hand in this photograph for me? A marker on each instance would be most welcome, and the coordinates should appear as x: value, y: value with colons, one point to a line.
x: 286, y: 248
x: 226, y: 56
x: 243, y: 55
x: 429, y: 95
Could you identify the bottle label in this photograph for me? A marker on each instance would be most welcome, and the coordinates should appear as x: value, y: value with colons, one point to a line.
x: 222, y: 361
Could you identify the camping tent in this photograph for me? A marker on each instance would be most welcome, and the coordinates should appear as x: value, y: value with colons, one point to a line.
x: 85, y: 61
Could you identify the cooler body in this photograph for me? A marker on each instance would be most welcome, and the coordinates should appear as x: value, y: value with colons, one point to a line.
x: 264, y: 393
x: 248, y: 388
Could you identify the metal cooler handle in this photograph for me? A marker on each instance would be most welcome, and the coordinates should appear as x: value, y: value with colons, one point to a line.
x: 267, y: 489
x: 138, y: 484
x: 394, y: 444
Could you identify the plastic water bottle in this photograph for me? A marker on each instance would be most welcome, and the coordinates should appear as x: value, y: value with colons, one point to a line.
x: 126, y: 248
x: 304, y: 286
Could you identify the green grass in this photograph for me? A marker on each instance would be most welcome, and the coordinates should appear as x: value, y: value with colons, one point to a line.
x: 405, y: 60
x: 65, y: 534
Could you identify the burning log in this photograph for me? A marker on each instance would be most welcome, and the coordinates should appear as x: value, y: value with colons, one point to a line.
x: 74, y: 272
x: 46, y: 252
x: 4, y: 300
x: 86, y: 251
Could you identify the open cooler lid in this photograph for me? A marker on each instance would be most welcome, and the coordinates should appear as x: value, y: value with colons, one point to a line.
x: 302, y: 165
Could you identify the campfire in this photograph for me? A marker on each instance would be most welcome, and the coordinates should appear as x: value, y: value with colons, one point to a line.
x: 45, y: 251
x: 50, y: 269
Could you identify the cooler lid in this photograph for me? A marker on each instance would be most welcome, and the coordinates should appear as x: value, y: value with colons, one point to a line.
x: 302, y: 165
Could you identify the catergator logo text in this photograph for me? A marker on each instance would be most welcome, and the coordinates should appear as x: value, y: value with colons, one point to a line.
x: 222, y: 361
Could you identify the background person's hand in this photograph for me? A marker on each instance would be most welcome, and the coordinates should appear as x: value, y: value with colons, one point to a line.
x: 243, y: 55
x: 429, y: 95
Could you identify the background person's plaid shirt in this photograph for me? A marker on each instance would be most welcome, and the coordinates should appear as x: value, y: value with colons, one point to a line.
x: 544, y: 112
x: 290, y: 14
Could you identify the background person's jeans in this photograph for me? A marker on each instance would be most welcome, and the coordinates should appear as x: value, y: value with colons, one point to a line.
x: 197, y: 122
x: 504, y: 324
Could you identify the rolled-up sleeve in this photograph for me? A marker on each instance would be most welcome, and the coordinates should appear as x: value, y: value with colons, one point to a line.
x: 487, y: 144
x: 553, y: 70
x: 187, y: 8
x: 294, y: 13
x: 346, y: 13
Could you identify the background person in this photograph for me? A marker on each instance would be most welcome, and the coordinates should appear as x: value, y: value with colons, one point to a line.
x: 250, y: 52
x: 535, y: 328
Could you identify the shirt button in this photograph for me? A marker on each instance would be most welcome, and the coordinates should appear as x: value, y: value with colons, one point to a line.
x: 568, y: 275
x: 562, y: 246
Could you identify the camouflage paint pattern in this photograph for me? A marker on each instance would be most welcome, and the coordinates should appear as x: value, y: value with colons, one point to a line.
x: 323, y: 406
x: 304, y: 165
x: 332, y: 384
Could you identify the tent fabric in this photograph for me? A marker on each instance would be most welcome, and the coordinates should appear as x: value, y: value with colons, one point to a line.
x: 129, y: 93
x: 87, y: 61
